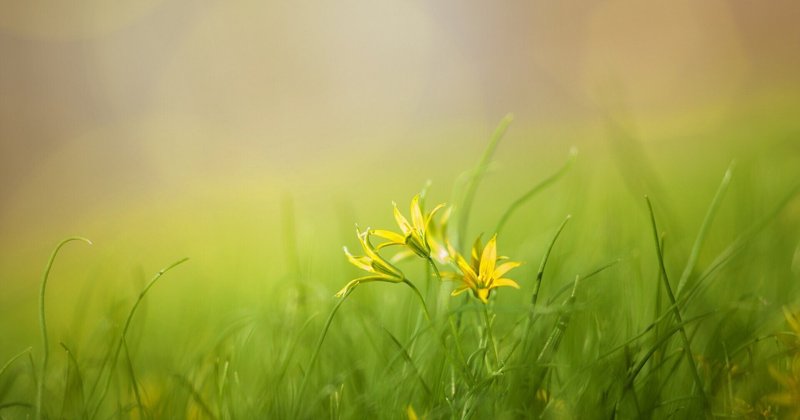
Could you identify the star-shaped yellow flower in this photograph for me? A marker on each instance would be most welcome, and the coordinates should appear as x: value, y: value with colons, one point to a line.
x: 483, y: 273
x: 378, y: 268
x: 414, y: 234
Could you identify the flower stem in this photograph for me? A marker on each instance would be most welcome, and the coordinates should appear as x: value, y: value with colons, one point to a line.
x: 421, y: 299
x: 490, y: 335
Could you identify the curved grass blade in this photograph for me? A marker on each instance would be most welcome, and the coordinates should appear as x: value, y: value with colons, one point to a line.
x: 545, y: 258
x: 43, y: 322
x: 121, y: 341
x: 477, y: 175
x: 737, y: 245
x: 513, y: 207
x: 13, y: 359
x: 701, y: 234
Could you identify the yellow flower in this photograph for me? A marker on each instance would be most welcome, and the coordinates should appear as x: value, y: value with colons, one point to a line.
x: 371, y: 262
x: 483, y: 273
x: 414, y: 234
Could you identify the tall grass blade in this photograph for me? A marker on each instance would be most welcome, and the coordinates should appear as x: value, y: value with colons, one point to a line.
x: 513, y: 207
x: 476, y: 176
x: 124, y: 333
x: 43, y: 323
x: 701, y: 235
x: 675, y: 308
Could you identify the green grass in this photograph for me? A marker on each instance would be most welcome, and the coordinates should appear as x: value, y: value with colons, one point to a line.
x: 668, y: 306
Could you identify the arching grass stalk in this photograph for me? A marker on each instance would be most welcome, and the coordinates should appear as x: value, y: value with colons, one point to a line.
x: 124, y: 333
x: 43, y: 322
x: 675, y: 308
x: 477, y: 175
x: 536, y: 189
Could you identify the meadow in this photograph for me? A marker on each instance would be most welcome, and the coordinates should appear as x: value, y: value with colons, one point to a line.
x: 657, y: 279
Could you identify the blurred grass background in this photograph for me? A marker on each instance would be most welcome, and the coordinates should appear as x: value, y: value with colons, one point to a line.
x: 251, y: 136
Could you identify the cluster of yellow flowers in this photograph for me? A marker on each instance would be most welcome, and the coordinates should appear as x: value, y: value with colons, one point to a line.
x: 426, y: 238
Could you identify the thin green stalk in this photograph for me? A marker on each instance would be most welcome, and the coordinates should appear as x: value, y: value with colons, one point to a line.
x: 73, y: 383
x: 675, y: 308
x: 477, y: 174
x: 536, y: 189
x: 125, y: 332
x: 664, y: 338
x: 196, y: 396
x: 490, y: 337
x: 553, y: 341
x: 421, y: 299
x: 43, y: 322
x: 701, y: 235
x: 134, y: 383
x: 738, y: 244
x: 12, y: 360
x: 540, y: 273
x: 315, y: 354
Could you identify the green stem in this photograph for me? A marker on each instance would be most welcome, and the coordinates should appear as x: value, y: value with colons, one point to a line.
x: 43, y: 322
x: 420, y: 297
x: 490, y: 336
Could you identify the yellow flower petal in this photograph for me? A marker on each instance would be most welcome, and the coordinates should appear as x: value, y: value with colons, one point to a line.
x: 416, y: 215
x: 505, y: 282
x: 393, y: 237
x: 488, y: 259
x: 459, y: 290
x: 504, y: 268
x: 401, y: 220
x: 360, y: 262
